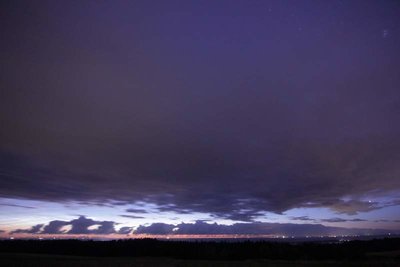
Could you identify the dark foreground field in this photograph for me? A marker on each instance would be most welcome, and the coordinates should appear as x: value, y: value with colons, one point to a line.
x: 144, y: 253
x: 37, y: 260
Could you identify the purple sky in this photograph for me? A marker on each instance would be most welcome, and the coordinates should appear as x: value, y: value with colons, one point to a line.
x: 138, y: 113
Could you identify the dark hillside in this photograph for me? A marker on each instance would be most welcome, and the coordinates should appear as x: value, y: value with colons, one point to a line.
x: 353, y: 250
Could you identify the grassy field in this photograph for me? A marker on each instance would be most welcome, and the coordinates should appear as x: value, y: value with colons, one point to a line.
x: 30, y: 260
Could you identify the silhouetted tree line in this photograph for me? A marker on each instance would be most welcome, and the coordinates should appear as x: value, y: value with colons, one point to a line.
x: 203, y: 249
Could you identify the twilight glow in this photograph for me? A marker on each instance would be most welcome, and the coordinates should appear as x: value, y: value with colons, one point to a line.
x: 199, y: 118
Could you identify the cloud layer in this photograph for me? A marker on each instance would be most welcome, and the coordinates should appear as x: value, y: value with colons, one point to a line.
x: 79, y: 226
x: 232, y: 116
x: 85, y: 226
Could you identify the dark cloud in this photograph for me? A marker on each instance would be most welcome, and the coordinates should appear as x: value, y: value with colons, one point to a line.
x: 119, y: 203
x: 382, y: 220
x: 335, y: 220
x: 81, y: 225
x: 255, y: 228
x: 136, y: 210
x: 386, y: 221
x: 238, y: 215
x: 354, y: 206
x: 302, y: 218
x: 125, y: 230
x: 357, y: 220
x: 104, y: 228
x: 33, y: 230
x: 349, y: 207
x: 330, y: 220
x: 155, y: 229
x: 228, y: 116
x: 131, y: 216
x: 394, y: 202
x: 17, y: 206
x: 54, y: 227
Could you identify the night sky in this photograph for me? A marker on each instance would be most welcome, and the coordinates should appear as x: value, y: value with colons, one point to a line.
x: 199, y: 117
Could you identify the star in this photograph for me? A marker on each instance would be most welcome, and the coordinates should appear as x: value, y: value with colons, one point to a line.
x: 385, y: 33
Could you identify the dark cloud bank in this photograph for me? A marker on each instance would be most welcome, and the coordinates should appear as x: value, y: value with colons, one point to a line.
x: 147, y: 108
x: 82, y: 225
x: 85, y: 226
x: 330, y: 220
